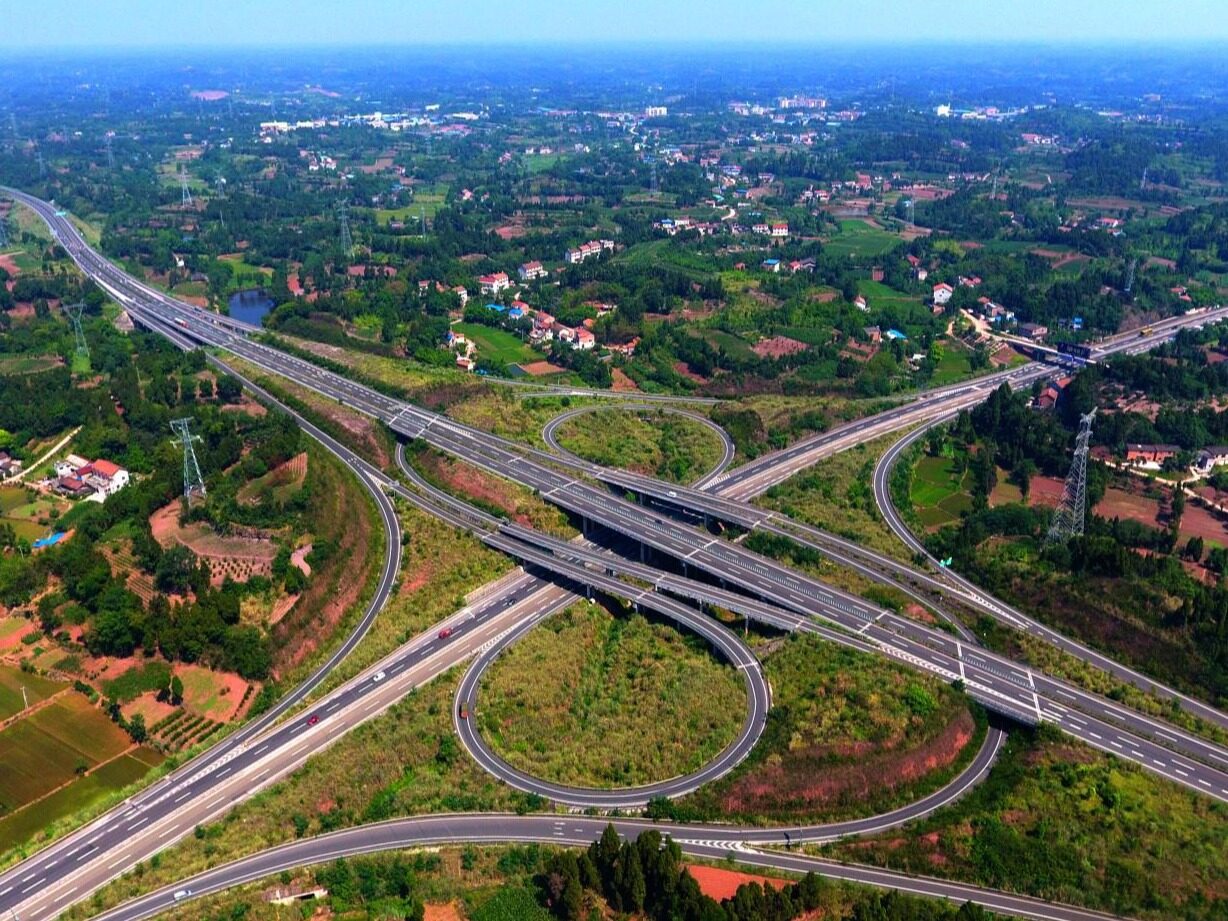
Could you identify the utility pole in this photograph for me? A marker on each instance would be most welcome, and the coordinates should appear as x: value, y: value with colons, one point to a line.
x: 185, y: 192
x: 193, y: 481
x: 1070, y: 518
x: 343, y: 216
x: 74, y: 312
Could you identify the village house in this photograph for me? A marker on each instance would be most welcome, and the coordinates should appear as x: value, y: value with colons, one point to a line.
x: 1210, y: 458
x: 1149, y: 457
x: 587, y: 250
x: 942, y: 293
x: 78, y: 478
x: 493, y: 284
x: 1034, y: 331
x: 779, y: 229
x: 585, y: 340
x: 532, y: 270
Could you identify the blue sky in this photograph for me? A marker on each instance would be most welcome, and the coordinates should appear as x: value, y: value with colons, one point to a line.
x: 220, y: 23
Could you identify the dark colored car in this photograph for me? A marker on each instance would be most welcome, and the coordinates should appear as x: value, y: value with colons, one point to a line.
x: 313, y: 719
x: 445, y: 633
x: 464, y: 711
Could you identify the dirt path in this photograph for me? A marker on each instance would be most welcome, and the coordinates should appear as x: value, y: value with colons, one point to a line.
x: 54, y: 449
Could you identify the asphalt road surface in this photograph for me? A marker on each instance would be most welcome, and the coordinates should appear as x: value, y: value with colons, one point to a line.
x: 1018, y: 691
x: 573, y: 831
x: 1009, y: 688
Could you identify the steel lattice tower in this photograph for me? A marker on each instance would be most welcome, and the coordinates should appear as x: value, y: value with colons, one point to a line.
x: 193, y: 481
x: 343, y: 216
x: 74, y: 312
x: 4, y: 231
x: 110, y: 153
x: 1071, y: 515
x: 185, y: 192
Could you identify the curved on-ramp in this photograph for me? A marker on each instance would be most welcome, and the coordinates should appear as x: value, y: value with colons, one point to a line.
x: 550, y: 432
x: 720, y: 638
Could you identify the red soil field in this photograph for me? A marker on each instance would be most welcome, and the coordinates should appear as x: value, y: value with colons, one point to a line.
x: 722, y: 884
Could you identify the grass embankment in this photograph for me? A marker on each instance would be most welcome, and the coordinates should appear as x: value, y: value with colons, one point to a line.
x: 596, y: 699
x: 659, y: 444
x: 848, y: 734
x: 405, y: 762
x: 1061, y: 821
x: 487, y: 491
x: 837, y: 495
x: 369, y: 439
x: 439, y: 565
x: 346, y: 525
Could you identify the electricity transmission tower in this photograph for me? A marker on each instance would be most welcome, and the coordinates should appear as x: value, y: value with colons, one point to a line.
x: 42, y: 168
x: 4, y: 231
x: 186, y: 193
x: 110, y: 154
x: 1070, y: 516
x: 74, y: 312
x: 343, y: 216
x: 1130, y: 275
x: 193, y: 482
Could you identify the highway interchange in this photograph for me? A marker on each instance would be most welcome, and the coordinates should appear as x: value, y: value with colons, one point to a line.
x: 1003, y: 685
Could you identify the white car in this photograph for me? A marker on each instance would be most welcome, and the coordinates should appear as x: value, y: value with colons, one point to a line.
x: 182, y: 894
x: 378, y: 676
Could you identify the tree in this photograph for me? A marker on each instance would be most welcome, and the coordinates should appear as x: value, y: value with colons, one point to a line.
x: 175, y: 569
x: 176, y: 690
x: 136, y: 728
x: 1193, y: 549
x: 229, y: 389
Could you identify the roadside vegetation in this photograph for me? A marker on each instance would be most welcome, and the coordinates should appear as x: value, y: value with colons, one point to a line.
x: 848, y: 734
x: 837, y: 495
x: 665, y: 445
x: 599, y: 699
x: 1061, y: 821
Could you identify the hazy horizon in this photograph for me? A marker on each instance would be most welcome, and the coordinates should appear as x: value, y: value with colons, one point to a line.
x: 224, y: 24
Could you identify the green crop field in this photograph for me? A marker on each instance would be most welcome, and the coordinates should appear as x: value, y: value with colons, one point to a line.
x: 48, y: 748
x: 28, y: 364
x: 12, y: 680
x: 512, y: 903
x: 497, y: 345
x: 857, y: 238
x: 938, y: 492
x: 127, y: 769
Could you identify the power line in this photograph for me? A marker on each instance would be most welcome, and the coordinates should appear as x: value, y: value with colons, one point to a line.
x: 193, y: 481
x: 1070, y: 518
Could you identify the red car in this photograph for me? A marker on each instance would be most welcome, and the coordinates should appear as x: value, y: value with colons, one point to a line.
x: 445, y: 633
x: 313, y: 719
x: 464, y: 711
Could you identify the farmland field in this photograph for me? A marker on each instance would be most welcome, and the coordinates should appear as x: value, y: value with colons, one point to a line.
x: 938, y: 492
x: 857, y: 238
x: 49, y: 751
x: 116, y: 774
x: 12, y: 680
x: 497, y: 346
